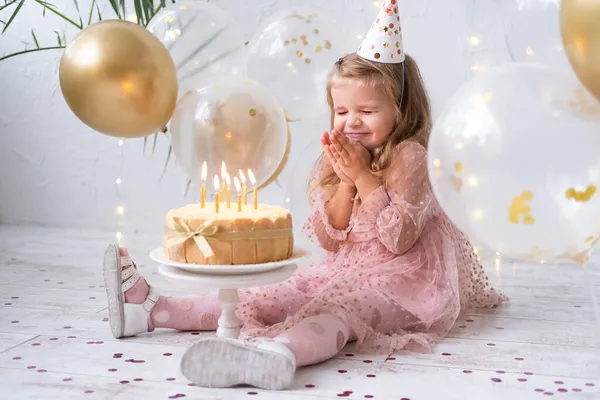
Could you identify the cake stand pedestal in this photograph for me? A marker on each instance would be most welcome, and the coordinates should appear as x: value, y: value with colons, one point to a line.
x: 228, y: 281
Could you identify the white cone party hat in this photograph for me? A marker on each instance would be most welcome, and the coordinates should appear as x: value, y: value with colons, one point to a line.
x: 384, y: 40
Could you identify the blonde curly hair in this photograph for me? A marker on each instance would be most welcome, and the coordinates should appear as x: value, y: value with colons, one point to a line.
x: 404, y: 86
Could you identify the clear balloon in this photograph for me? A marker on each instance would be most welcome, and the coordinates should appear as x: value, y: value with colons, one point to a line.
x: 204, y: 41
x: 533, y: 33
x: 238, y: 123
x: 292, y: 54
x: 514, y: 162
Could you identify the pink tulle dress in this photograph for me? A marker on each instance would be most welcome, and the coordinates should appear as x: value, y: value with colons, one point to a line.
x: 398, y: 276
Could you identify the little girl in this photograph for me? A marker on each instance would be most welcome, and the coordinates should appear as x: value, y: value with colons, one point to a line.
x: 397, y: 274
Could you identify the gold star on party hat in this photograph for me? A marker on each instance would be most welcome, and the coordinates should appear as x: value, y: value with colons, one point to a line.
x: 383, y: 42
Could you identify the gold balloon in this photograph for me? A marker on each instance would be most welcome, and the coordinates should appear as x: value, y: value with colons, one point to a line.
x: 119, y: 79
x: 580, y: 29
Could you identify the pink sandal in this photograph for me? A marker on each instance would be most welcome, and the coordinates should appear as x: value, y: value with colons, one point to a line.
x: 126, y: 319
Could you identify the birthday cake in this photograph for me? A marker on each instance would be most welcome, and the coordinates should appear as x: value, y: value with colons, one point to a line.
x: 228, y: 236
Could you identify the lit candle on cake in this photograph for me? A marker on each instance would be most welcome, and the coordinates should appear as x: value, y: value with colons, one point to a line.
x: 228, y: 180
x: 254, y: 190
x: 216, y: 183
x: 203, y: 174
x: 238, y: 190
x: 243, y: 178
x: 223, y: 172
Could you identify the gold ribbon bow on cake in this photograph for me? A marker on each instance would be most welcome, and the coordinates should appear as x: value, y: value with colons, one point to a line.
x: 182, y: 233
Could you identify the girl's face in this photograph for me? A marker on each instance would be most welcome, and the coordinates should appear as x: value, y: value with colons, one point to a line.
x: 364, y: 114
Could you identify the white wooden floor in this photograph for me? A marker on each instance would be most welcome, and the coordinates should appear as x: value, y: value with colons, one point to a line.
x: 55, y: 341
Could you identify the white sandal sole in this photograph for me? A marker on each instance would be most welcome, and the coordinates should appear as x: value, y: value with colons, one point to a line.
x: 221, y: 363
x: 114, y: 294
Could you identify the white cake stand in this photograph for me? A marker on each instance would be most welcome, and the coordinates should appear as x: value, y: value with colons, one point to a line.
x: 228, y: 279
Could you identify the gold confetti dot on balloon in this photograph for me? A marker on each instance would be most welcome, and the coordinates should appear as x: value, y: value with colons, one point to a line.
x: 252, y: 112
x: 307, y: 60
x: 299, y: 54
x: 528, y: 220
x: 459, y: 167
x: 328, y: 45
x: 286, y: 42
x: 581, y: 196
x: 319, y: 48
x: 303, y: 37
x: 294, y: 40
x: 527, y: 195
x: 519, y: 206
x: 316, y: 31
x: 456, y: 182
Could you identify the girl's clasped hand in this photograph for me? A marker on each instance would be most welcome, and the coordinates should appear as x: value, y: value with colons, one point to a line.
x: 348, y: 158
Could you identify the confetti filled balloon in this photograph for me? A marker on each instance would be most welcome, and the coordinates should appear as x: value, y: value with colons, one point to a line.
x: 292, y: 54
x: 204, y: 41
x: 240, y: 124
x: 533, y: 33
x: 514, y: 162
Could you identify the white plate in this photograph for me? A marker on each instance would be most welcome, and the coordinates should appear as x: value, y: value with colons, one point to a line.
x: 298, y: 255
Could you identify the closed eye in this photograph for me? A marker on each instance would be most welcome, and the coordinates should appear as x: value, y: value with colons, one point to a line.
x: 341, y: 112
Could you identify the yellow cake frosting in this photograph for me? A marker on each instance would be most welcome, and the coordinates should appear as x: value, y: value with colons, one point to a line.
x: 197, y: 235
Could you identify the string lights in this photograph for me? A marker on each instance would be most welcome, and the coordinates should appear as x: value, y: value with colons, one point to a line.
x: 119, y: 208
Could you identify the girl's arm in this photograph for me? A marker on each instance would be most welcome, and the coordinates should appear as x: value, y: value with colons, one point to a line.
x: 329, y: 221
x: 339, y: 208
x: 399, y: 209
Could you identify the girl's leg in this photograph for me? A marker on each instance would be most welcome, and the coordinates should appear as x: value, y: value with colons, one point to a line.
x: 265, y: 363
x: 136, y: 308
x: 316, y: 339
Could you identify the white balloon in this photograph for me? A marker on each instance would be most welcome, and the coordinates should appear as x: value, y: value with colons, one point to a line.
x: 204, y: 42
x: 514, y: 161
x: 533, y: 33
x: 292, y: 54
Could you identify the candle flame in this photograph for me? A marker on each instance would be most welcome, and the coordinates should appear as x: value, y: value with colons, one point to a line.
x: 204, y: 171
x: 236, y: 182
x: 242, y: 177
x: 216, y: 183
x: 227, y: 180
x: 223, y: 170
x: 251, y: 177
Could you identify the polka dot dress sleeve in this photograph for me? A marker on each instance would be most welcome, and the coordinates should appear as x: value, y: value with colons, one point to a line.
x: 318, y: 228
x: 400, y: 207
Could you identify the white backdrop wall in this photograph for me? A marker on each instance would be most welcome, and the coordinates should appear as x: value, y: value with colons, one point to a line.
x: 55, y: 171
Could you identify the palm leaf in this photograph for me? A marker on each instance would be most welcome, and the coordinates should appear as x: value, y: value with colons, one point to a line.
x: 91, y: 12
x: 58, y: 38
x: 154, y: 144
x: 49, y: 7
x: 37, y: 44
x: 115, y: 7
x: 8, y: 4
x: 30, y: 51
x: 139, y: 13
x: 166, y: 162
x: 14, y: 14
